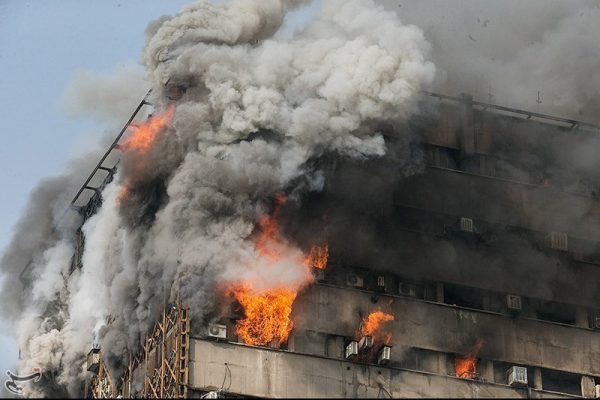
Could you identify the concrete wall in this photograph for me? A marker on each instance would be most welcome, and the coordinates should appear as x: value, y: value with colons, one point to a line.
x: 269, y: 373
x: 516, y: 267
x: 448, y: 329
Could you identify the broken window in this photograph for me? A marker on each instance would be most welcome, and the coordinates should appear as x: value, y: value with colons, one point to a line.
x: 443, y: 157
x: 556, y: 312
x: 463, y: 296
x: 334, y: 346
x: 309, y: 342
x: 563, y: 382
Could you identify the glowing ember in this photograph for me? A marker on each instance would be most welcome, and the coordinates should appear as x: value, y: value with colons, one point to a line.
x: 318, y: 256
x: 144, y: 134
x: 267, y: 315
x: 371, y: 326
x: 466, y: 367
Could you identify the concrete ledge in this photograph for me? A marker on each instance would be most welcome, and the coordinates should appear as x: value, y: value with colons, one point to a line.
x: 262, y: 372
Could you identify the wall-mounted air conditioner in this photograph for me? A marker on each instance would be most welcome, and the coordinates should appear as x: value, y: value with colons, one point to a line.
x: 216, y: 331
x: 385, y: 355
x: 558, y: 241
x: 351, y: 350
x: 517, y: 376
x: 466, y: 224
x: 514, y: 302
x: 365, y: 343
x: 354, y: 281
x: 597, y: 392
x: 407, y: 289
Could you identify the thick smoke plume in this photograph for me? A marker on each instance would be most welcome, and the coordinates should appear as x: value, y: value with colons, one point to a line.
x: 504, y: 52
x: 252, y: 111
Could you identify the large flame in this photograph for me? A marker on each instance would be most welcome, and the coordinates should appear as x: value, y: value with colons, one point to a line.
x: 372, y: 326
x: 267, y: 314
x: 318, y: 256
x: 466, y: 367
x: 266, y: 311
x: 143, y: 134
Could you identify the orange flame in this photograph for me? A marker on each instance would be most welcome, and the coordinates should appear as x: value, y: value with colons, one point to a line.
x: 144, y: 134
x: 466, y: 367
x: 267, y: 314
x: 371, y: 326
x: 268, y: 243
x: 317, y: 257
x: 267, y: 311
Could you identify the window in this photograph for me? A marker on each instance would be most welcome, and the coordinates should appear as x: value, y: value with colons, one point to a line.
x: 563, y: 382
x: 556, y: 312
x: 463, y: 296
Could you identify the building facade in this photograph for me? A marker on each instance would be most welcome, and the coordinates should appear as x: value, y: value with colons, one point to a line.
x: 484, y: 251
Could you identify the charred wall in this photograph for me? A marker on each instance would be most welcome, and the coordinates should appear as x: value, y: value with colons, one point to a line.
x: 475, y: 206
x: 534, y: 222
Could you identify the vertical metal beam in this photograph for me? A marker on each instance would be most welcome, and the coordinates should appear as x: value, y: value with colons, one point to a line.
x: 146, y: 368
x: 163, y: 345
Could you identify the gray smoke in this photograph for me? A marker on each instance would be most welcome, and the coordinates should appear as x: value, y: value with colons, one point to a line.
x: 178, y: 221
x: 507, y: 51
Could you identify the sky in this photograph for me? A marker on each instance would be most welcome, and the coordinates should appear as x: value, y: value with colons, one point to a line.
x: 43, y: 45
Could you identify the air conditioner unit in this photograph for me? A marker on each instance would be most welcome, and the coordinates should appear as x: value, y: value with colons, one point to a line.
x: 385, y: 355
x: 559, y: 241
x: 354, y: 280
x: 517, y: 376
x: 365, y: 343
x: 406, y: 289
x: 319, y: 274
x: 351, y: 350
x: 513, y: 302
x: 216, y: 331
x: 597, y: 392
x: 381, y: 282
x: 466, y: 224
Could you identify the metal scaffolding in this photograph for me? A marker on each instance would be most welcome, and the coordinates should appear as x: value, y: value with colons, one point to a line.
x: 163, y: 361
x: 101, y: 386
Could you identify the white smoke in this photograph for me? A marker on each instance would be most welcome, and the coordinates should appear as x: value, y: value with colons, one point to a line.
x: 256, y: 109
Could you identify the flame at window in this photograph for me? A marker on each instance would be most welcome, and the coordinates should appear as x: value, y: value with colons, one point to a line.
x: 466, y: 367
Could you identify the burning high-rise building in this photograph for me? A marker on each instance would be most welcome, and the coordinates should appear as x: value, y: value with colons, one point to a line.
x: 302, y: 218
